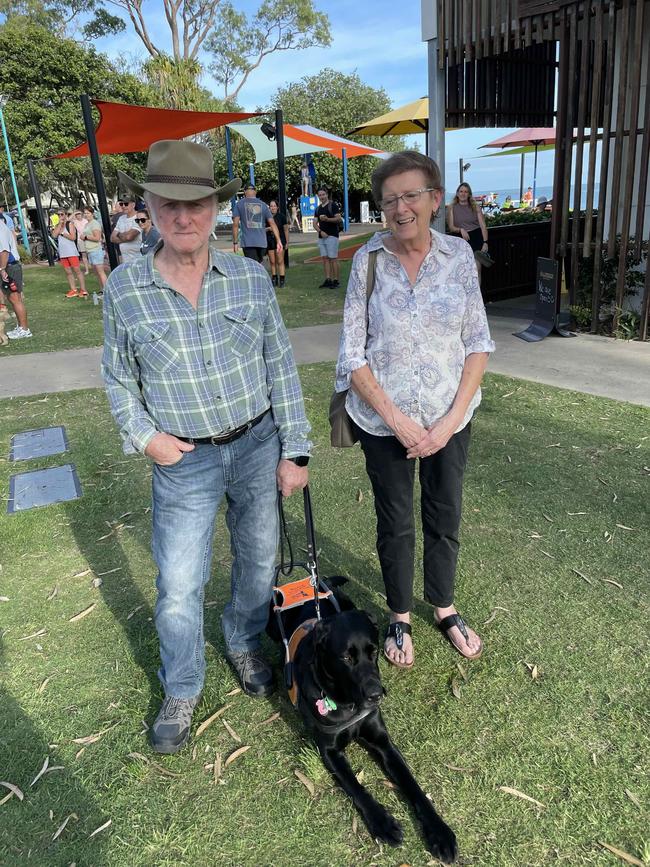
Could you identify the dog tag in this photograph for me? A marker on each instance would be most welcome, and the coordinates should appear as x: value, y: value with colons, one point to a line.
x: 325, y: 705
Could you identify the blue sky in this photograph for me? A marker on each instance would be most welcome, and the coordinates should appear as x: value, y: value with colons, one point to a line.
x: 380, y: 40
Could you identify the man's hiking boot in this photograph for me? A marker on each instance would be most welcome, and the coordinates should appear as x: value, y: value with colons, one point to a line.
x: 281, y: 282
x: 326, y: 284
x: 254, y: 672
x: 334, y: 284
x: 171, y: 730
x: 274, y: 280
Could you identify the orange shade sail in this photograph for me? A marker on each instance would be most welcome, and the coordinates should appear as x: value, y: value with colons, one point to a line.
x: 126, y: 129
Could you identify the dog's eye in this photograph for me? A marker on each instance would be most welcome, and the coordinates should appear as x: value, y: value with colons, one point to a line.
x: 346, y: 657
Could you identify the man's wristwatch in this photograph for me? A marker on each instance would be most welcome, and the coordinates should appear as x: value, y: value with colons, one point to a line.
x: 300, y: 460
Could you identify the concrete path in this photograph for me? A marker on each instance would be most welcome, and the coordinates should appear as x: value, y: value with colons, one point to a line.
x: 595, y: 365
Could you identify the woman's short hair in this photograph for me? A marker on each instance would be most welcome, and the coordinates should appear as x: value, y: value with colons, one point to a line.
x: 405, y: 161
x: 471, y: 201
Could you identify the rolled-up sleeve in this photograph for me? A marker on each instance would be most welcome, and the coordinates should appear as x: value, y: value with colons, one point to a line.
x: 475, y: 332
x: 352, y: 348
x: 283, y: 382
x: 121, y: 378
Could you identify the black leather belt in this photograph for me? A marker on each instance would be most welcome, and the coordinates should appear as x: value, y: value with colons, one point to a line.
x: 222, y: 439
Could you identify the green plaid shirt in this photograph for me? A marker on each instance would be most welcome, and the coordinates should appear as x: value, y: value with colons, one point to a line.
x: 198, y: 373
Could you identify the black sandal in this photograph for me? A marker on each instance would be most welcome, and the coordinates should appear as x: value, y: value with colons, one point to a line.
x: 396, y: 631
x: 456, y: 620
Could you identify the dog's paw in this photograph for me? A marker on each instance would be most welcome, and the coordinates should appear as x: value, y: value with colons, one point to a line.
x: 383, y: 826
x: 441, y: 842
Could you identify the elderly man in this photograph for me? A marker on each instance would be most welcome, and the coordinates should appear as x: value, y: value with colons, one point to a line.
x: 201, y: 378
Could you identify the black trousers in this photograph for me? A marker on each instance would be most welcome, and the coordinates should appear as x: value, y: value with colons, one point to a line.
x: 392, y: 476
x: 255, y: 253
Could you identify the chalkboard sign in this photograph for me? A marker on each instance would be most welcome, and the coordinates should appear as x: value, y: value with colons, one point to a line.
x: 546, y: 303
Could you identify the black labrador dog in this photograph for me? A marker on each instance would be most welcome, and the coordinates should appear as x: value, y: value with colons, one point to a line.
x: 337, y: 688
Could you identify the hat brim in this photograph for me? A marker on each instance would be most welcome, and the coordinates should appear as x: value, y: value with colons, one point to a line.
x: 180, y: 192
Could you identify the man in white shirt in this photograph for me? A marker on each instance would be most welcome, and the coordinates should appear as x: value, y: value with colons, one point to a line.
x: 127, y: 232
x: 11, y: 275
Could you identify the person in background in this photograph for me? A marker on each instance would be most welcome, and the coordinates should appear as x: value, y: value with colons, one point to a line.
x: 465, y: 218
x: 127, y: 232
x: 254, y: 216
x: 150, y: 235
x: 527, y: 199
x: 413, y: 357
x: 11, y: 275
x: 201, y: 378
x: 327, y: 223
x: 79, y: 224
x: 92, y: 235
x: 507, y: 204
x: 276, y: 260
x: 294, y: 218
x: 304, y: 179
x: 65, y: 234
x: 7, y: 218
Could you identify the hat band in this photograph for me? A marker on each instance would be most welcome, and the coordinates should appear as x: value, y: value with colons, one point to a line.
x: 180, y: 179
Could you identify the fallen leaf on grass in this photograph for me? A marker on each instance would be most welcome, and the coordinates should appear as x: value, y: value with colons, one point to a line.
x: 61, y: 827
x: 33, y: 635
x: 233, y: 734
x: 164, y: 771
x: 82, y: 574
x: 611, y: 581
x: 456, y: 768
x: 576, y: 513
x: 4, y: 599
x: 519, y: 794
x: 307, y: 783
x: 140, y: 757
x: 91, y: 739
x: 359, y: 495
x: 630, y: 859
x: 270, y: 719
x: 110, y: 571
x: 532, y: 669
x: 461, y: 671
x: 495, y: 611
x: 388, y: 784
x: 13, y: 790
x: 44, y: 684
x: 233, y: 691
x: 550, y: 520
x: 632, y: 797
x: 234, y: 756
x: 554, y: 446
x: 101, y: 828
x: 623, y: 527
x: 79, y: 753
x: 546, y: 554
x: 208, y: 722
x: 455, y: 688
x: 216, y: 768
x: 135, y: 611
x: 582, y: 575
x: 82, y: 614
x: 355, y: 824
x: 41, y: 772
x: 53, y: 593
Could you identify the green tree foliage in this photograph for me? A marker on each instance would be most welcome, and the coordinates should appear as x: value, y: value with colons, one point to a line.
x: 239, y: 44
x: 42, y: 77
x: 62, y: 16
x: 336, y: 103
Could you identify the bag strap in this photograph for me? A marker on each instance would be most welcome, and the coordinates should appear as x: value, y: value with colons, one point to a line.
x: 370, y: 282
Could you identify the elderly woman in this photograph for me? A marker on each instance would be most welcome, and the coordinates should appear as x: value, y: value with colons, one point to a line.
x: 201, y: 379
x: 414, y: 365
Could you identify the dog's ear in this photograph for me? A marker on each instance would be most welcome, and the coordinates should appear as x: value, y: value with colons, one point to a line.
x: 336, y: 581
x: 322, y: 631
x: 373, y: 619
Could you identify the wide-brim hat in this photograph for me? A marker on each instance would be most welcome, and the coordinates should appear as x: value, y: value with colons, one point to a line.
x: 182, y: 171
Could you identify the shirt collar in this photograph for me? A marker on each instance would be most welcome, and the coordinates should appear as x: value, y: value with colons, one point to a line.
x: 147, y: 272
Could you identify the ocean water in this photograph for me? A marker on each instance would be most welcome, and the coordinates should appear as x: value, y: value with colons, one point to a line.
x: 540, y: 190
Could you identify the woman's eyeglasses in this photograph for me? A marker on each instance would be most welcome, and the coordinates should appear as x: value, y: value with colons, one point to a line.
x: 410, y: 198
x: 142, y: 220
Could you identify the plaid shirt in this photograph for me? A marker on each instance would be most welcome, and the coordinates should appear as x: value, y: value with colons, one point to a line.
x: 198, y: 373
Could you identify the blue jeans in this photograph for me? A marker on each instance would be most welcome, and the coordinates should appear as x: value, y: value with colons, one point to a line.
x: 186, y: 497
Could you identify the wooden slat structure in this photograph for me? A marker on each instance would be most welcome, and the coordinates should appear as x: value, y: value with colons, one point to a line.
x: 506, y: 60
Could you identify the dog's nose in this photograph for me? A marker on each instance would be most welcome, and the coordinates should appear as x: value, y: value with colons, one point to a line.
x: 374, y: 693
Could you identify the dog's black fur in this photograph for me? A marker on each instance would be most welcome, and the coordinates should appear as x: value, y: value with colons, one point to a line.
x: 338, y: 659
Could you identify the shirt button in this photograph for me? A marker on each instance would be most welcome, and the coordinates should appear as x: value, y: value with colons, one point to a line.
x: 208, y: 363
x: 200, y: 325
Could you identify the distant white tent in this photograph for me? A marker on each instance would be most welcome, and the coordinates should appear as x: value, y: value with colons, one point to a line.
x: 48, y: 200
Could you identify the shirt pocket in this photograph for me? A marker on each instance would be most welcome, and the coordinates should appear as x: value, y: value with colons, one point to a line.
x: 153, y: 347
x: 244, y: 329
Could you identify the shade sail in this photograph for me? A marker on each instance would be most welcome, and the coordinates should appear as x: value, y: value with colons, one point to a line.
x: 407, y: 119
x: 515, y: 152
x: 313, y: 137
x: 267, y: 150
x: 126, y: 129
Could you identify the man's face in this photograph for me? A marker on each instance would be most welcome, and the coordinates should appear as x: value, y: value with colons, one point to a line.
x: 129, y: 210
x: 322, y: 197
x: 185, y: 227
x: 250, y: 193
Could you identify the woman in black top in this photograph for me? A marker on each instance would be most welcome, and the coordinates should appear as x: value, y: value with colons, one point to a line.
x: 276, y: 260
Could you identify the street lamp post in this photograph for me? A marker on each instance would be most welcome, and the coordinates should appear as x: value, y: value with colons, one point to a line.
x: 3, y: 102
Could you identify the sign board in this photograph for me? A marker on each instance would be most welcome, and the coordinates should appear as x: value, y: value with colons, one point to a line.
x: 546, y: 303
x: 308, y: 224
x: 308, y: 205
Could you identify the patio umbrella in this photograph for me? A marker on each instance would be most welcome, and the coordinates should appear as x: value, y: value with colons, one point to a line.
x: 531, y: 136
x: 411, y: 118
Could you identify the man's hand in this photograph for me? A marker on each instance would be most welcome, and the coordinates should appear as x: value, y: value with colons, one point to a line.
x: 166, y: 449
x: 290, y: 477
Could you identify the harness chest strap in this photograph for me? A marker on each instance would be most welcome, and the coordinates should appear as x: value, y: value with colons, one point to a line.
x: 296, y: 637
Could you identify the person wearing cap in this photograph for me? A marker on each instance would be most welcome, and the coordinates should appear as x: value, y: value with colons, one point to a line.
x: 254, y: 216
x: 201, y: 378
x: 127, y: 232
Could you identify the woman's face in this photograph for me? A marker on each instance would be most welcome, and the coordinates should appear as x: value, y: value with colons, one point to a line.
x: 463, y: 194
x: 408, y: 222
x: 274, y: 208
x: 88, y: 214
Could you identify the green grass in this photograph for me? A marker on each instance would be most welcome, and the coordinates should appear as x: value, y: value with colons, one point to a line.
x: 554, y: 480
x: 58, y: 322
